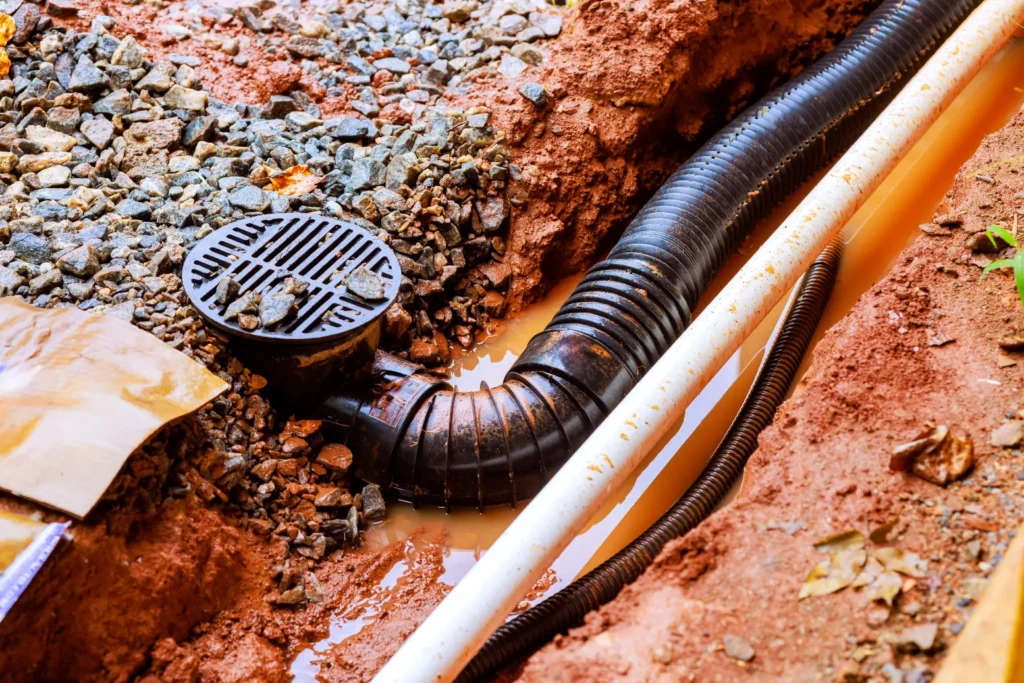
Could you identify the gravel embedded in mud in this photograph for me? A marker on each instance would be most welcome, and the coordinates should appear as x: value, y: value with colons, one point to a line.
x: 925, y: 345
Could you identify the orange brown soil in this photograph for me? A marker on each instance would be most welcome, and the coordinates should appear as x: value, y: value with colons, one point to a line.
x: 265, y: 76
x: 180, y: 595
x: 823, y: 467
x: 634, y: 85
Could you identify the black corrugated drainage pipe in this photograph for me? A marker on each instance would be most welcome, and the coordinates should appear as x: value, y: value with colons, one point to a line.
x: 425, y: 442
x: 522, y: 636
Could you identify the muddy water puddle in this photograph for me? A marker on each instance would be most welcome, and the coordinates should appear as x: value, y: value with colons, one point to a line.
x: 874, y: 238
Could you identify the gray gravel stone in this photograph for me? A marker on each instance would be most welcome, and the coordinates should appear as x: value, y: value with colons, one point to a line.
x: 535, y: 93
x: 159, y: 78
x: 86, y: 77
x: 393, y: 64
x: 275, y: 307
x: 738, y: 648
x: 366, y: 173
x: 45, y: 282
x: 373, y: 503
x: 365, y: 284
x: 129, y: 54
x: 9, y: 281
x: 227, y: 290
x: 80, y: 262
x: 249, y: 198
x: 30, y: 248
x: 98, y: 131
x: 117, y: 102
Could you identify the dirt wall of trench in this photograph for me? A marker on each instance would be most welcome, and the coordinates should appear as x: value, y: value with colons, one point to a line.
x: 635, y: 86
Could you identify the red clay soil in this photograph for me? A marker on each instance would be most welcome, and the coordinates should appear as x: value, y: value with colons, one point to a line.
x: 823, y: 468
x: 181, y: 596
x: 264, y: 76
x: 634, y: 85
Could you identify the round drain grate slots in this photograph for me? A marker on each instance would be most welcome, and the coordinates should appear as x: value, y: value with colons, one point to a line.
x: 261, y: 253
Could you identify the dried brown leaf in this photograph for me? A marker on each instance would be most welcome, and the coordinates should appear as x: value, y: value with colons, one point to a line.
x: 837, y: 572
x: 844, y: 540
x: 897, y: 560
x: 872, y: 570
x: 938, y: 456
x: 296, y: 181
x: 881, y: 533
x: 885, y: 587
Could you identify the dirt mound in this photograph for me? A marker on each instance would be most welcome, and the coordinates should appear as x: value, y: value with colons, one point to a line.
x: 633, y: 85
x: 98, y: 605
x: 823, y: 468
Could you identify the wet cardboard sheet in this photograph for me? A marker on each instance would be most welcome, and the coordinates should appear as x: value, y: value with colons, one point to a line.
x: 78, y: 393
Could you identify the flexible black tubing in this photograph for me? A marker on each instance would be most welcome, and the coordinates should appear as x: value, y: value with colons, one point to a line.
x: 423, y: 441
x: 529, y: 631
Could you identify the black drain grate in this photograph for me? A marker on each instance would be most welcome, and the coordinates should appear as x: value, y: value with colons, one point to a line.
x: 260, y: 253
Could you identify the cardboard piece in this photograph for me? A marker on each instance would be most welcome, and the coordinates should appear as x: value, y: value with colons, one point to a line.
x: 78, y: 393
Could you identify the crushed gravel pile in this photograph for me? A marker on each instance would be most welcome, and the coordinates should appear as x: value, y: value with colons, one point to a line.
x: 112, y: 166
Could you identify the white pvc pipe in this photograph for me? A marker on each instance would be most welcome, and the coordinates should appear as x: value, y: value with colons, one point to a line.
x: 458, y: 627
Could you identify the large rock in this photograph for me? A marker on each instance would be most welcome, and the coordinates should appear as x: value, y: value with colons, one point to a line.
x: 163, y: 134
x: 86, y: 77
x: 29, y: 247
x: 99, y: 131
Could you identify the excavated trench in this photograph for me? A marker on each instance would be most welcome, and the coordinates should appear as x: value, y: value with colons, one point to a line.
x: 180, y: 593
x: 180, y: 588
x: 875, y: 240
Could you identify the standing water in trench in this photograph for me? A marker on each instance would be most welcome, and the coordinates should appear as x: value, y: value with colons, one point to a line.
x: 874, y: 238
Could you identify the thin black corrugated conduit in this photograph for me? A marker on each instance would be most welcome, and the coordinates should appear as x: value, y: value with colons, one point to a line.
x: 425, y: 442
x: 523, y: 635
